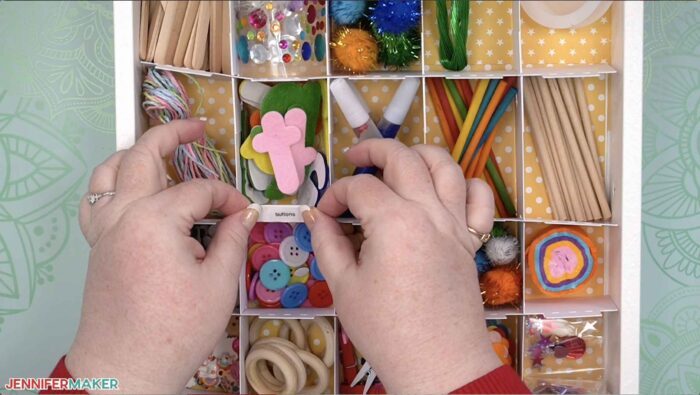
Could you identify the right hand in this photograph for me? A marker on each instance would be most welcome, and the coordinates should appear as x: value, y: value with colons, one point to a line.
x: 410, y: 301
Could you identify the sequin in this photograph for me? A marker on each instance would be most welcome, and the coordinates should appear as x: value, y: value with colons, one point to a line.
x: 295, y: 45
x: 287, y: 58
x: 279, y: 15
x: 292, y: 26
x: 257, y: 18
x: 259, y: 54
x: 306, y: 51
x: 261, y: 35
x: 251, y: 35
x: 284, y: 44
x: 269, y: 6
x: 275, y: 27
x: 311, y: 14
x: 242, y: 49
x: 302, y: 35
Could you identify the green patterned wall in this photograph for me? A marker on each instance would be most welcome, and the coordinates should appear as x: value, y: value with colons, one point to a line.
x: 670, y: 343
x: 57, y: 122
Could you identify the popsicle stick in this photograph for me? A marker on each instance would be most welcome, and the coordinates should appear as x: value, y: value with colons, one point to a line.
x: 143, y: 30
x: 189, y: 52
x: 226, y: 40
x: 544, y: 156
x: 444, y: 127
x: 461, y: 142
x: 215, y: 37
x: 169, y: 31
x: 445, y: 104
x: 185, y: 33
x: 454, y: 92
x: 205, y: 65
x: 154, y: 31
x: 201, y: 34
x: 559, y: 144
x: 453, y: 107
x: 579, y: 166
x: 586, y: 117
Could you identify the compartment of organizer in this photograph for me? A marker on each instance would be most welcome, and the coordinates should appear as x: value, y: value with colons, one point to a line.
x: 564, y: 355
x: 372, y: 107
x: 505, y: 335
x: 289, y: 121
x: 194, y: 35
x: 566, y: 147
x: 171, y: 95
x: 268, y: 345
x: 499, y: 265
x: 220, y: 372
x: 375, y: 37
x: 476, y: 120
x: 570, y: 41
x: 280, y: 39
x: 489, y: 38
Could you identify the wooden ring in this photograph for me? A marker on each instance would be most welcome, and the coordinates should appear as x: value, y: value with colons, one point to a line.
x: 321, y: 370
x: 276, y: 357
x: 289, y: 349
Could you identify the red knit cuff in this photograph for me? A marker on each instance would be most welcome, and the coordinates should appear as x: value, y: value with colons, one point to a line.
x: 61, y: 372
x: 502, y: 380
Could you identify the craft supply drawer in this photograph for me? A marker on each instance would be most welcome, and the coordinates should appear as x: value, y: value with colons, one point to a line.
x: 601, y: 64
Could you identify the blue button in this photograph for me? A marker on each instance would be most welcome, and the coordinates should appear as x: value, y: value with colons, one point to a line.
x: 294, y: 295
x: 303, y: 237
x: 315, y: 271
x: 275, y: 275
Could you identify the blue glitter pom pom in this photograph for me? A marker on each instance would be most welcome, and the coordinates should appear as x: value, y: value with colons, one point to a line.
x: 347, y: 12
x: 483, y: 264
x: 395, y: 16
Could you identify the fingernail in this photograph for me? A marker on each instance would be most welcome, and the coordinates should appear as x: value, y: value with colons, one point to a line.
x: 203, y: 119
x: 345, y: 150
x: 309, y: 215
x: 251, y: 215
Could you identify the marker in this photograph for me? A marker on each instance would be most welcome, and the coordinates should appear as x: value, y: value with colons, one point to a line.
x: 396, y: 111
x: 355, y: 112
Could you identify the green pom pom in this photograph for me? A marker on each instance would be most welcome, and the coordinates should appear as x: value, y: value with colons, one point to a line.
x: 398, y: 50
x: 499, y: 231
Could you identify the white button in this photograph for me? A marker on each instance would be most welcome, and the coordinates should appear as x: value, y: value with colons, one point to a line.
x: 258, y: 178
x: 291, y: 254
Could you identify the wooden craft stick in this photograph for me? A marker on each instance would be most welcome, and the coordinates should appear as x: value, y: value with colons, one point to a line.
x: 445, y: 104
x: 476, y: 168
x: 544, y: 156
x: 456, y: 98
x: 444, y: 127
x: 452, y: 106
x: 495, y: 174
x: 215, y: 36
x: 589, y: 159
x: 189, y: 52
x: 586, y: 118
x: 226, y: 40
x: 143, y: 30
x: 201, y: 35
x: 169, y: 31
x: 205, y: 65
x: 185, y: 33
x: 154, y: 31
x: 559, y: 146
x: 580, y: 173
x: 460, y: 143
x: 466, y: 90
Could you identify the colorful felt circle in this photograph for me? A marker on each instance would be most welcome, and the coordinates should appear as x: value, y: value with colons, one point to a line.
x: 561, y: 259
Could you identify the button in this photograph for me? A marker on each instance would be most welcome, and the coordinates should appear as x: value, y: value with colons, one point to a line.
x: 294, y: 295
x: 253, y: 248
x: 276, y: 232
x: 276, y: 305
x: 248, y: 273
x: 303, y: 237
x: 264, y: 254
x: 257, y: 235
x: 266, y: 296
x: 300, y: 275
x: 316, y: 271
x: 320, y: 295
x: 251, y: 287
x: 275, y: 275
x: 291, y: 254
x: 310, y: 283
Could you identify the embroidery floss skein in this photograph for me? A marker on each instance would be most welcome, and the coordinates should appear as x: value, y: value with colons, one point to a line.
x: 453, y: 38
x: 165, y: 100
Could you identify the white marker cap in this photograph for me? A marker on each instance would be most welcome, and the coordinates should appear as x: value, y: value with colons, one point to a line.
x: 253, y: 92
x: 401, y: 102
x: 349, y: 104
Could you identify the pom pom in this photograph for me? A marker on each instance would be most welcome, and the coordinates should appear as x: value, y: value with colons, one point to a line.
x: 502, y: 250
x: 395, y: 16
x: 399, y: 50
x: 501, y: 285
x: 355, y: 50
x: 499, y: 231
x: 347, y: 12
x: 483, y: 264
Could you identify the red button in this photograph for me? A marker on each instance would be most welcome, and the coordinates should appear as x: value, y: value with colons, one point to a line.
x: 320, y: 295
x: 265, y: 253
x: 257, y: 235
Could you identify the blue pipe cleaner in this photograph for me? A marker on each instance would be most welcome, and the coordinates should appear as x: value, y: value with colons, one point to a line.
x: 395, y: 16
x: 347, y: 12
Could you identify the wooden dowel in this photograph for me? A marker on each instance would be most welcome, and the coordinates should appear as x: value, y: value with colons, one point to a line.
x: 183, y: 39
x: 586, y: 118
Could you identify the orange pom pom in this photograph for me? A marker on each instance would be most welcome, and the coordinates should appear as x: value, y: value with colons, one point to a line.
x: 355, y: 50
x: 501, y: 285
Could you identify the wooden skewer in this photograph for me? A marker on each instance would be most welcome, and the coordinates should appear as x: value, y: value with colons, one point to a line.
x: 569, y: 137
x: 226, y: 41
x: 215, y: 36
x: 143, y: 30
x: 560, y: 147
x: 586, y: 118
x: 201, y: 33
x: 537, y: 132
x: 185, y: 33
x: 154, y: 31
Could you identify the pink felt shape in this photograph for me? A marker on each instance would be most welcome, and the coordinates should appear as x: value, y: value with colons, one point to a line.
x: 303, y: 155
x: 277, y: 139
x: 563, y: 262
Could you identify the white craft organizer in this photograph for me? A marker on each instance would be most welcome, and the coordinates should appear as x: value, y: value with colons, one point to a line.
x: 618, y: 301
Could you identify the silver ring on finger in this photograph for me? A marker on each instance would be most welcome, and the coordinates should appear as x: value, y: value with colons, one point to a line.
x: 92, y: 198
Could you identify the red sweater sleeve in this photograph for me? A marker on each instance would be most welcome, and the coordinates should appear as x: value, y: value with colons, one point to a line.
x: 502, y: 380
x: 61, y: 372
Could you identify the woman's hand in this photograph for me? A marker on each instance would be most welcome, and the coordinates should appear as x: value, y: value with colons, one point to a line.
x: 155, y: 302
x: 410, y: 301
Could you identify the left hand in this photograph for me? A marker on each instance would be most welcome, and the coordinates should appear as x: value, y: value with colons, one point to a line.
x: 155, y: 301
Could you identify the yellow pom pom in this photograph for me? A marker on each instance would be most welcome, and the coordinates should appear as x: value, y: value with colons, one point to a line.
x: 355, y: 50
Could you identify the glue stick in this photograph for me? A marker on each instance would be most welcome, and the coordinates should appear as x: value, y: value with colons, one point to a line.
x: 396, y: 111
x: 353, y: 109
